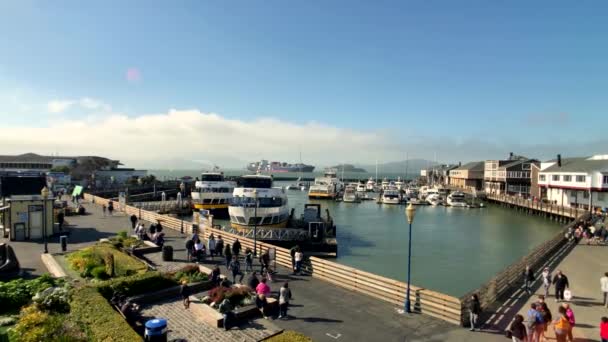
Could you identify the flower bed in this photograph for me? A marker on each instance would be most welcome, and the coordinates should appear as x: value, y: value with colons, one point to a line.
x: 19, y: 292
x: 103, y: 261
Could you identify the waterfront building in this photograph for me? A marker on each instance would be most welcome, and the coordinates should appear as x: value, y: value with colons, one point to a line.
x: 575, y: 182
x: 511, y: 176
x: 468, y: 176
x: 31, y: 162
x: 438, y: 174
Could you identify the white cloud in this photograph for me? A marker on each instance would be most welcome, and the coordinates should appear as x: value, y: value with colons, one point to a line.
x: 59, y: 106
x: 87, y: 103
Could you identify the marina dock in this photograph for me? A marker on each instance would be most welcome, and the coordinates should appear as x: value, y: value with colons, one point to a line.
x: 549, y: 210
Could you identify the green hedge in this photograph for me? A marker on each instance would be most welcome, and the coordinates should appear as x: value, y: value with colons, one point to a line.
x: 91, y: 310
x: 19, y: 292
x: 136, y: 284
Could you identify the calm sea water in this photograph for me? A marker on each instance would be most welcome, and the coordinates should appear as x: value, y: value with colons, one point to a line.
x: 454, y: 250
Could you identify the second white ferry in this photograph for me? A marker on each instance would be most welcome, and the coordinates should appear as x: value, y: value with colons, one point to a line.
x: 328, y: 186
x: 212, y: 192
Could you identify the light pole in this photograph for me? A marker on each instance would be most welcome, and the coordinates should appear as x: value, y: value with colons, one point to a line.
x: 182, y: 188
x: 45, y: 194
x: 410, y: 212
x: 255, y: 222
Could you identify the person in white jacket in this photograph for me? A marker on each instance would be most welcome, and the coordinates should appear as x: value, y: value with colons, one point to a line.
x: 604, y: 286
x: 546, y: 278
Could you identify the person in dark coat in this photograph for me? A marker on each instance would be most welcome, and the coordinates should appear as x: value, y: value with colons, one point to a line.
x: 219, y: 246
x: 253, y: 281
x: 214, y: 277
x: 528, y: 278
x: 60, y: 220
x: 184, y: 291
x: 110, y: 207
x: 228, y: 255
x: 518, y: 329
x: 561, y: 283
x: 474, y: 311
x: 236, y: 248
x: 133, y: 219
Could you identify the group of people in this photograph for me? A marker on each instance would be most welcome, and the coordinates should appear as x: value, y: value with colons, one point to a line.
x: 154, y: 233
x: 559, y: 281
x: 593, y: 231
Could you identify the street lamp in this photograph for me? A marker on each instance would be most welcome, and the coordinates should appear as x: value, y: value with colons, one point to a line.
x: 410, y: 212
x: 45, y: 194
x: 182, y: 188
x: 255, y: 222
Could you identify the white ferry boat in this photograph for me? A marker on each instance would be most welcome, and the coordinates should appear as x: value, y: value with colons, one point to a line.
x: 457, y: 199
x: 328, y: 186
x: 391, y: 196
x: 256, y: 203
x: 350, y: 194
x: 212, y: 192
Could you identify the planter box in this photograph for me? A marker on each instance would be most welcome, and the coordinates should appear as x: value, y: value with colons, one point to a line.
x: 149, y: 247
x: 148, y: 298
x: 211, y: 316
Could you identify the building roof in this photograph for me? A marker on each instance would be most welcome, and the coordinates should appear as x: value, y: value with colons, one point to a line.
x: 472, y: 166
x: 582, y: 164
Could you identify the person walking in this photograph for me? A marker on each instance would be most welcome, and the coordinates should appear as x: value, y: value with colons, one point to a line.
x: 219, y: 246
x: 292, y: 252
x: 189, y: 248
x: 571, y: 320
x: 535, y: 324
x: 518, y: 329
x: 546, y: 277
x: 110, y: 207
x: 228, y: 255
x: 604, y: 288
x: 235, y: 267
x: 528, y: 278
x: 284, y: 298
x: 225, y: 308
x: 253, y: 281
x: 547, y: 317
x: 184, y: 291
x: 212, y: 245
x: 299, y: 256
x: 474, y: 311
x: 103, y: 210
x: 236, y: 248
x: 60, y: 220
x: 561, y: 283
x: 604, y: 329
x: 249, y: 260
x: 133, y: 219
x: 264, y: 262
x: 561, y: 325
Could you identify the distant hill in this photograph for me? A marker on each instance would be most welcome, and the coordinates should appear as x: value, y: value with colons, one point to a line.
x: 348, y: 168
x: 413, y: 166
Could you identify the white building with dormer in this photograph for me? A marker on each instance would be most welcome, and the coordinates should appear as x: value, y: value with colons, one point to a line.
x: 575, y: 182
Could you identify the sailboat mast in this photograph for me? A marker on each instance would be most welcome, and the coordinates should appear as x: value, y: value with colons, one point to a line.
x: 406, y: 161
x: 376, y: 171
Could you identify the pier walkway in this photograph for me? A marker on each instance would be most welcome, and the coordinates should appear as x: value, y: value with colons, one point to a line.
x: 537, y: 206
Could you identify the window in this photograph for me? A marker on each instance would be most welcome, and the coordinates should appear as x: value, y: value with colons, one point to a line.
x: 555, y: 178
x: 585, y: 194
x: 581, y: 179
x: 525, y: 166
x: 567, y: 178
x: 600, y: 196
x: 542, y: 178
x: 605, y: 179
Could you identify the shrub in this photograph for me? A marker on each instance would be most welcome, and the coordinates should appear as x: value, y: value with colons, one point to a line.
x: 289, y: 336
x: 190, y: 273
x: 17, y: 293
x: 108, y: 259
x: 90, y: 309
x: 115, y: 262
x: 122, y: 235
x: 236, y: 295
x: 53, y: 299
x: 100, y: 272
x: 35, y: 325
x: 135, y: 284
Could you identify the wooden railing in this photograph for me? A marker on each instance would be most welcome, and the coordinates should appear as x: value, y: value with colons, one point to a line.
x: 550, y: 208
x: 424, y: 301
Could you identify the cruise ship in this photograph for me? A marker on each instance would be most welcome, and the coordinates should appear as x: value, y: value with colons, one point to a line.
x: 269, y: 167
x: 212, y: 192
x: 270, y: 210
x: 328, y: 186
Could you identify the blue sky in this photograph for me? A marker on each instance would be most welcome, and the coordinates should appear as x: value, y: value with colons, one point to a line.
x: 515, y: 74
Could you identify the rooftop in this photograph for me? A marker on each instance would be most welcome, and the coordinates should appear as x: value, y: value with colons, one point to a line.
x: 472, y: 166
x: 580, y: 164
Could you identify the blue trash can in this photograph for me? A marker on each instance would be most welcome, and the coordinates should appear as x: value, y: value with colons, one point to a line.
x: 156, y: 330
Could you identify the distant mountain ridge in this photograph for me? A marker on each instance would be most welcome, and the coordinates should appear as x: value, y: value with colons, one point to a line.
x: 349, y: 168
x: 413, y: 166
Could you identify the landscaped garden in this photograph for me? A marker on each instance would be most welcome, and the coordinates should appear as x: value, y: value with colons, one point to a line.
x: 103, y: 261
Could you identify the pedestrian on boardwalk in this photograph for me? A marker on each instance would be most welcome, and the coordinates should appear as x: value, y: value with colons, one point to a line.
x: 292, y: 252
x: 133, y: 219
x: 571, y: 320
x: 561, y: 325
x: 214, y: 277
x: 299, y: 256
x: 219, y: 246
x: 284, y: 298
x: 528, y: 278
x: 604, y: 329
x: 184, y: 291
x: 474, y: 311
x: 235, y: 267
x: 110, y: 207
x: 262, y: 291
x: 264, y: 262
x: 236, y: 248
x: 547, y: 317
x: 253, y: 281
x: 211, y: 245
x: 535, y: 324
x: 228, y: 255
x: 546, y: 277
x: 604, y: 288
x: 199, y: 251
x: 189, y: 248
x: 249, y: 260
x: 60, y: 220
x: 103, y: 209
x: 561, y: 283
x: 225, y: 308
x: 518, y: 329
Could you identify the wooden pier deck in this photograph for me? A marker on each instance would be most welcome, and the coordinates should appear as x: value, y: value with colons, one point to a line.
x: 537, y: 207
